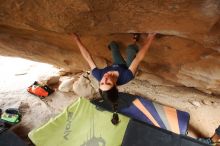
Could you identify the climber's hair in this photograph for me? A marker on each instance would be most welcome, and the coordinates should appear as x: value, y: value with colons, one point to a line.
x: 111, y: 96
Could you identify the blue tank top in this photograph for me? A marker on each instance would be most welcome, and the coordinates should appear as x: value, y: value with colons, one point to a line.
x: 125, y: 75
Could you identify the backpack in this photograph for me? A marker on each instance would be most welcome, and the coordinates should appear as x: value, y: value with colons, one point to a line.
x: 40, y: 90
x: 9, y: 118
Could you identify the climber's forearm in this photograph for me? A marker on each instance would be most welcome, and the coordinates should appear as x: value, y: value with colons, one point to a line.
x: 85, y: 53
x: 141, y: 54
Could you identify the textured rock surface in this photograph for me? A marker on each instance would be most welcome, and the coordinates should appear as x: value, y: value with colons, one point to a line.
x: 187, y: 55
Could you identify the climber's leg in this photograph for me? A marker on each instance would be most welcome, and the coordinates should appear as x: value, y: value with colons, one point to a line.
x: 116, y: 55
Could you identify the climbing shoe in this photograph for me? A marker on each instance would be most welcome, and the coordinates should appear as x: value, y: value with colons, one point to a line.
x: 136, y: 37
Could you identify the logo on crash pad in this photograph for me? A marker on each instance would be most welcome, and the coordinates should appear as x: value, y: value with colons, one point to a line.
x: 94, y: 140
x: 67, y: 130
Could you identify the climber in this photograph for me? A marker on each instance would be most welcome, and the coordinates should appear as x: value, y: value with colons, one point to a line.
x: 214, y: 140
x: 121, y: 72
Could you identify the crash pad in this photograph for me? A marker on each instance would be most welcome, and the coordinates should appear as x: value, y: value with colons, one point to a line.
x: 9, y: 138
x: 148, y: 111
x: 142, y: 134
x: 80, y: 124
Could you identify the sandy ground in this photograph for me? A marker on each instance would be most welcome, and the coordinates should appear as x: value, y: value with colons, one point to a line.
x: 16, y: 77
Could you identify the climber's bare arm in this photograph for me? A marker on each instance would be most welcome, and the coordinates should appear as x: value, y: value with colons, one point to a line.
x: 85, y: 53
x: 140, y: 55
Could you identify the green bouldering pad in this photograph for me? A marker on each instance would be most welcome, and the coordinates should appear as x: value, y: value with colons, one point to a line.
x: 80, y: 124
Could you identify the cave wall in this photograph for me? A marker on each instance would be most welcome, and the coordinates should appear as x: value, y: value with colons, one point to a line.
x: 186, y: 55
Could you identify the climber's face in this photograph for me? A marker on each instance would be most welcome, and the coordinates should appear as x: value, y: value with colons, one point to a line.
x: 108, y: 81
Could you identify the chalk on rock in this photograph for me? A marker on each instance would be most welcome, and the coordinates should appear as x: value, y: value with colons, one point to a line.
x: 195, y: 103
